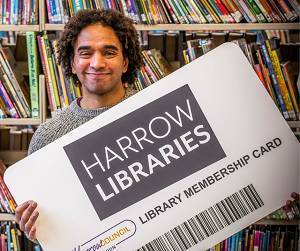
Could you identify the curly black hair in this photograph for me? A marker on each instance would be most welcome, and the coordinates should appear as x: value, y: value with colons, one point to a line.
x: 123, y: 28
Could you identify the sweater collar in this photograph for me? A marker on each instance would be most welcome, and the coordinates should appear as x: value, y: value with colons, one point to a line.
x: 81, y: 112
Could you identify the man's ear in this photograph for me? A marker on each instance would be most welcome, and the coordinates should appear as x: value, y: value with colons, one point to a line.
x: 125, y: 67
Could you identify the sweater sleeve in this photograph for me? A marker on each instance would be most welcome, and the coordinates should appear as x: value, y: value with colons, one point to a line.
x: 38, y: 140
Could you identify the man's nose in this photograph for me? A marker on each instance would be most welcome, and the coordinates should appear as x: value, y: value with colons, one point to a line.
x: 98, y: 61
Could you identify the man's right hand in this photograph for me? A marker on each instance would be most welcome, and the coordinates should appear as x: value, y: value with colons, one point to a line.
x: 26, y: 216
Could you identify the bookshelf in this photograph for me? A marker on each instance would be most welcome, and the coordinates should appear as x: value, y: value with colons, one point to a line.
x: 7, y: 217
x: 43, y: 26
x: 11, y: 157
x: 278, y: 222
x: 22, y: 121
x: 23, y: 28
x: 201, y: 27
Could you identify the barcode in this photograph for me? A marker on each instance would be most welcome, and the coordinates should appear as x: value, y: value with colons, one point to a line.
x: 207, y: 222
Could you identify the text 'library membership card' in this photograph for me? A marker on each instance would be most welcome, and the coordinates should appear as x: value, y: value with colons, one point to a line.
x: 181, y: 165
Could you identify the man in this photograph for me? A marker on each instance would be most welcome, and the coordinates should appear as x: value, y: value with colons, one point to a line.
x: 101, y: 51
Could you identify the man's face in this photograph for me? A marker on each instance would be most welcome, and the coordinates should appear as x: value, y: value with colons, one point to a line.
x: 98, y: 60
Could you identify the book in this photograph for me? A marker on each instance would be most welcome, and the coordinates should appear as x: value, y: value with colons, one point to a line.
x: 268, y: 62
x: 11, y: 84
x: 33, y: 68
x: 286, y: 70
x: 4, y: 138
x: 279, y: 76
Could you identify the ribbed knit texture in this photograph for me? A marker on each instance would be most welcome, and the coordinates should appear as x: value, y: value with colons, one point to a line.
x: 65, y: 121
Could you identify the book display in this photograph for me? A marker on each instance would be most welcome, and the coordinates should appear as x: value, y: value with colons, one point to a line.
x: 173, y: 33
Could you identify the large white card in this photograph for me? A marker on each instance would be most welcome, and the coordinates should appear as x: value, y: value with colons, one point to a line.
x: 181, y: 165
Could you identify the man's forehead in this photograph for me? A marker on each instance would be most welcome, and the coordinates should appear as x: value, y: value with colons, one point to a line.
x: 97, y: 34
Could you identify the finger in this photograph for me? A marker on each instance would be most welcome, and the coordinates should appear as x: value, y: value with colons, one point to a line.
x: 295, y: 196
x: 27, y: 214
x: 288, y: 203
x: 20, y: 209
x: 31, y: 221
x: 32, y: 234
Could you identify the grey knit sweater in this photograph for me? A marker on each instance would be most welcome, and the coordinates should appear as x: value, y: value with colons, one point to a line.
x: 65, y: 121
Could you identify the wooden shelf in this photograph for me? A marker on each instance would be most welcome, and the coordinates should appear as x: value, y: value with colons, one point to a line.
x: 11, y: 157
x: 294, y: 124
x: 277, y: 222
x: 7, y: 217
x: 203, y: 27
x: 27, y: 121
x: 8, y: 27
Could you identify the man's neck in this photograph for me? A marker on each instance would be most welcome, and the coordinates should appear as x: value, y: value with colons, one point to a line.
x: 94, y: 101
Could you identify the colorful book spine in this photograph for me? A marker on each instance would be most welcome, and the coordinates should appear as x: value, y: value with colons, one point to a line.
x: 291, y: 87
x: 43, y: 56
x: 8, y: 102
x: 256, y: 11
x: 199, y: 12
x: 51, y: 71
x: 33, y: 65
x: 266, y: 57
x: 204, y: 11
x: 264, y: 11
x: 172, y: 12
x: 15, y: 85
x: 8, y: 238
x: 282, y: 86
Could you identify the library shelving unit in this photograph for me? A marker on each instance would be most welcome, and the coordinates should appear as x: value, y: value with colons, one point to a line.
x: 295, y: 222
x: 43, y: 26
x: 200, y: 27
x: 7, y: 27
x: 6, y: 217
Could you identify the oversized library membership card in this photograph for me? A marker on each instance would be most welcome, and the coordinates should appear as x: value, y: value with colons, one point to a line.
x: 181, y: 165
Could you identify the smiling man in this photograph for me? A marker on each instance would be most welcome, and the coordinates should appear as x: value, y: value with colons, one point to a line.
x: 101, y: 51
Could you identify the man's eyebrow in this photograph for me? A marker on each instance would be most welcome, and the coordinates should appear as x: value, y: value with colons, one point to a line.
x: 87, y: 47
x: 110, y: 46
x: 83, y: 47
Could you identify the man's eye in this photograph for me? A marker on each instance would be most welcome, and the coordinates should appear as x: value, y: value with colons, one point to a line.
x: 110, y: 53
x: 84, y: 54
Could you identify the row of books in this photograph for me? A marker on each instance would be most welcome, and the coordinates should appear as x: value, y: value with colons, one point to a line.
x: 266, y: 59
x: 12, y: 239
x: 196, y: 48
x: 61, y: 91
x: 155, y: 68
x: 183, y: 11
x: 42, y: 50
x: 168, y: 41
x: 261, y: 239
x: 15, y: 139
x: 14, y: 91
x: 19, y: 12
x: 7, y: 202
x: 274, y: 73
